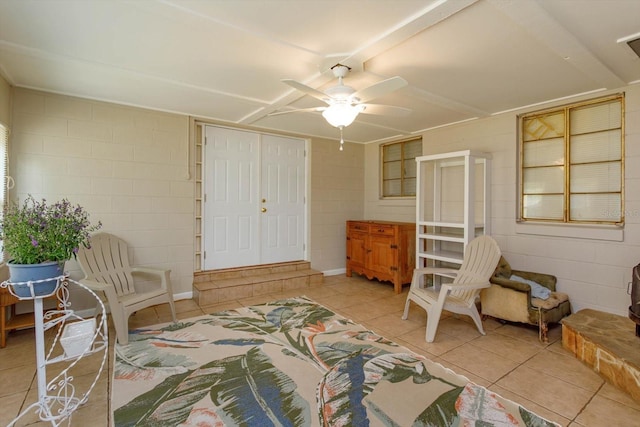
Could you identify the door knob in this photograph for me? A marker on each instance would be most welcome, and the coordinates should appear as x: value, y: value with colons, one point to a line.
x: 263, y: 210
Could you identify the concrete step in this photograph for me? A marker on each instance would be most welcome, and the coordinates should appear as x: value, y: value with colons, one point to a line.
x: 217, y: 286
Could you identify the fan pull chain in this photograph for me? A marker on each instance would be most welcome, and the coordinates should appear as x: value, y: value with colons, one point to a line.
x: 341, y: 139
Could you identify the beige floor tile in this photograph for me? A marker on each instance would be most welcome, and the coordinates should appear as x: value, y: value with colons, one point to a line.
x: 444, y: 343
x: 20, y: 345
x: 604, y: 412
x: 189, y: 314
x: 84, y: 366
x: 184, y: 305
x: 491, y: 324
x: 215, y: 308
x: 320, y: 292
x: 531, y: 333
x: 518, y: 330
x: 256, y: 300
x: 347, y: 300
x: 461, y: 327
x: 506, y: 347
x: 612, y: 392
x: 392, y: 325
x: 11, y: 406
x: 566, y: 368
x: 142, y: 318
x: 460, y: 371
x: 363, y: 312
x: 548, y: 391
x: 480, y: 362
x: 20, y: 377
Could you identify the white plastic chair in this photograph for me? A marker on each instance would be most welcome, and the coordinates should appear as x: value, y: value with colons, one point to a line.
x: 106, y: 269
x: 480, y: 260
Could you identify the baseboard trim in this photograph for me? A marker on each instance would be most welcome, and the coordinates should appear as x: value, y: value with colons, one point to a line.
x: 335, y: 272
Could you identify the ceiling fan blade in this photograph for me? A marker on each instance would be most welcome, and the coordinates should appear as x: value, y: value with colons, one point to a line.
x: 379, y: 89
x: 299, y: 110
x: 385, y: 110
x: 308, y: 90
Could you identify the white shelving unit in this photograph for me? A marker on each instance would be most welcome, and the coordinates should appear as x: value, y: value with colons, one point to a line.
x: 58, y: 396
x: 452, y: 205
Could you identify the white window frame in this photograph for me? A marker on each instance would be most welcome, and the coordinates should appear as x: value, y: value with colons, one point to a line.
x: 594, y: 226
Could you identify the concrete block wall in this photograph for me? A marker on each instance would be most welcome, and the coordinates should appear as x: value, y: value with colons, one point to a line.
x: 129, y: 167
x: 337, y: 195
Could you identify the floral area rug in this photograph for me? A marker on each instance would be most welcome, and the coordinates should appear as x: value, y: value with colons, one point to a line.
x: 291, y: 362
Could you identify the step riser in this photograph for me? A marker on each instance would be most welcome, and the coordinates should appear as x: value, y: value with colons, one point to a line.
x: 227, y: 285
x: 258, y: 270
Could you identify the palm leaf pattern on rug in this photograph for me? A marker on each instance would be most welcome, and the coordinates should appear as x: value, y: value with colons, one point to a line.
x: 291, y: 363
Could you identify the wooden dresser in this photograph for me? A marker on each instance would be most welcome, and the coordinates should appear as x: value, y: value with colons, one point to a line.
x: 384, y: 250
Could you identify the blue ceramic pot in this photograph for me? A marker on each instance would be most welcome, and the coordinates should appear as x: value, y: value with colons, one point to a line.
x: 32, y: 272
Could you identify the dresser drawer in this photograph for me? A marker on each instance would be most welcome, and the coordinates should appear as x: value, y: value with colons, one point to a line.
x: 359, y: 226
x: 381, y: 229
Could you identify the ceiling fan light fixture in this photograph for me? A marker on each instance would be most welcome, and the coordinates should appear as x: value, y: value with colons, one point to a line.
x: 341, y: 115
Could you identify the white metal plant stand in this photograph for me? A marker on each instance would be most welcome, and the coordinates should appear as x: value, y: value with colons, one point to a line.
x: 75, y: 338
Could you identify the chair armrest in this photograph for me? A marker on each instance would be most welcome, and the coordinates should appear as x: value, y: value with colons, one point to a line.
x: 150, y: 270
x: 458, y: 286
x: 161, y: 273
x: 96, y: 286
x: 435, y: 270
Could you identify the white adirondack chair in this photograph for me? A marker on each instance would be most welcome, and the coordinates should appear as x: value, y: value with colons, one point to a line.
x: 106, y: 269
x: 480, y: 260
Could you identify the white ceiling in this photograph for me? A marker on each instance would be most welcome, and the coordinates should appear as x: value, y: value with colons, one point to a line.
x: 225, y: 59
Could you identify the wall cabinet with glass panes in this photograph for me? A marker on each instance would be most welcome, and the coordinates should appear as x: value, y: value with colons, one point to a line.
x: 399, y: 168
x: 452, y: 205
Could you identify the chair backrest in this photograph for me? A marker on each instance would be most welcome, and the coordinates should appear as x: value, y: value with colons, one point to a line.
x: 107, y: 261
x: 481, y: 257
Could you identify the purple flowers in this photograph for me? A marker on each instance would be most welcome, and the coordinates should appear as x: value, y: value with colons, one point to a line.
x: 36, y: 232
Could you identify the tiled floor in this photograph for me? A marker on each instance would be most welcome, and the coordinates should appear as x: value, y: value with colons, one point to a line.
x: 508, y: 360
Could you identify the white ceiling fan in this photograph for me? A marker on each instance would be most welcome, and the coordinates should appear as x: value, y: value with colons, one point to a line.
x: 344, y: 103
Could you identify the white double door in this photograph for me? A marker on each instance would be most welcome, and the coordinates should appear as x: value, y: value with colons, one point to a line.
x: 254, y: 209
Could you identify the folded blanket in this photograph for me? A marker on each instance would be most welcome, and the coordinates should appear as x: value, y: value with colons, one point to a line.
x: 537, y: 290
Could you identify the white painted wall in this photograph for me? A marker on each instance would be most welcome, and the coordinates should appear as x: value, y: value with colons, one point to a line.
x: 593, y: 272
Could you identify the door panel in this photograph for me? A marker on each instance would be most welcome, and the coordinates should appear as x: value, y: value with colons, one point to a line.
x: 283, y: 189
x: 357, y: 249
x: 255, y: 198
x: 230, y: 182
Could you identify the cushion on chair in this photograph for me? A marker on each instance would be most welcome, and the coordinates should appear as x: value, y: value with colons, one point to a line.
x: 537, y: 290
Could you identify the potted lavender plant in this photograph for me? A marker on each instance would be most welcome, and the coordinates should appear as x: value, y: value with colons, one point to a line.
x: 39, y: 238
